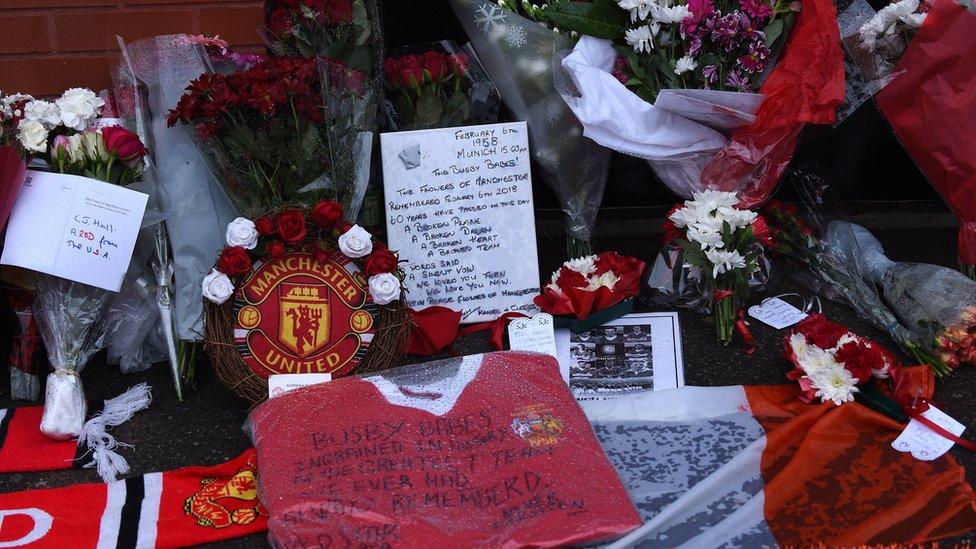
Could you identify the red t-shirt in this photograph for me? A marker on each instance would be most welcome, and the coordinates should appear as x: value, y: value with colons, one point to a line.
x: 494, y: 452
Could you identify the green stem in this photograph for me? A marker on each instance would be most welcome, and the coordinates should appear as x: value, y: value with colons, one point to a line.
x: 725, y: 320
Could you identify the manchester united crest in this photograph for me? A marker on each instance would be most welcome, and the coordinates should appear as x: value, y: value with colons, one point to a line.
x: 298, y: 315
x: 538, y: 426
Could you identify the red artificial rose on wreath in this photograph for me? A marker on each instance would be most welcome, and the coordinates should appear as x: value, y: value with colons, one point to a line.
x: 326, y: 213
x: 412, y: 70
x: 276, y: 249
x: 123, y: 144
x: 437, y: 65
x: 234, y: 261
x: 264, y: 225
x: 381, y: 261
x: 291, y: 226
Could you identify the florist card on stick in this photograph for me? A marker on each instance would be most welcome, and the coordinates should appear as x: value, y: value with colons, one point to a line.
x: 75, y: 228
x: 459, y: 211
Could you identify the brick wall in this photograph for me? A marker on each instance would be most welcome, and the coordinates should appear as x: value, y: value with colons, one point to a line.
x: 47, y: 46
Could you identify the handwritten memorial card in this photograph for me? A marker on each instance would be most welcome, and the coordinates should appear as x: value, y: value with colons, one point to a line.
x: 74, y: 227
x: 459, y: 211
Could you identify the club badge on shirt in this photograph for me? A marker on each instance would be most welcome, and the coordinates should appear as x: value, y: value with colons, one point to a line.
x: 538, y: 426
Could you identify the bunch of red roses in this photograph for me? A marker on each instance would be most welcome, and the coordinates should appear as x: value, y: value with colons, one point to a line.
x: 339, y: 29
x: 429, y: 90
x: 831, y: 362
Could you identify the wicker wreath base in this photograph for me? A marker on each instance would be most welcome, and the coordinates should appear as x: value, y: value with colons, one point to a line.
x: 387, y: 348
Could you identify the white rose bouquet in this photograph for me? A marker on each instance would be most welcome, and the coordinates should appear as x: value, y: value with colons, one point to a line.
x: 722, y: 254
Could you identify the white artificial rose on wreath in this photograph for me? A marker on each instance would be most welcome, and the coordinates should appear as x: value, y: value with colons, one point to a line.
x: 356, y: 242
x: 79, y: 108
x: 45, y: 112
x: 384, y: 288
x: 217, y: 287
x: 242, y: 232
x: 32, y: 135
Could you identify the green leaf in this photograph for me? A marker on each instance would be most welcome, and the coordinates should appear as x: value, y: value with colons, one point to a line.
x: 311, y: 143
x: 429, y: 107
x: 600, y: 18
x: 773, y: 31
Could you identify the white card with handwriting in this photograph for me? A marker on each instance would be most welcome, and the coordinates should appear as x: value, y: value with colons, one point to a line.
x: 74, y: 227
x: 924, y: 443
x: 459, y: 212
x: 280, y: 384
x: 777, y: 313
x: 535, y: 334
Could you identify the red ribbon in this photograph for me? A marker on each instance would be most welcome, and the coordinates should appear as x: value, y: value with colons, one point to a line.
x: 433, y: 330
x: 741, y: 325
x: 496, y: 326
x: 919, y: 406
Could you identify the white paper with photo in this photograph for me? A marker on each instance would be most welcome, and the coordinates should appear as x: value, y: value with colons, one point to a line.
x: 459, y: 213
x: 632, y: 354
x: 74, y: 227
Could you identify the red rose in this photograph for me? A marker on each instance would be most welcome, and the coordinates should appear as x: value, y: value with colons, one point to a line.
x: 392, y: 69
x: 264, y: 225
x: 437, y: 65
x: 234, y: 261
x: 123, y: 144
x: 412, y: 70
x: 380, y: 262
x: 291, y: 226
x: 326, y: 213
x: 276, y: 249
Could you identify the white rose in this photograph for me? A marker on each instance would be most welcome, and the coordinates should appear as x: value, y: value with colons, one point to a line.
x: 241, y: 232
x: 217, y: 288
x: 79, y: 107
x: 75, y: 148
x: 45, y: 112
x: 356, y: 243
x: 32, y: 135
x: 94, y: 146
x: 385, y: 288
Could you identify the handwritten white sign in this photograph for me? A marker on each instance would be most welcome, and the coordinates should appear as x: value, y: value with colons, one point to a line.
x: 74, y: 227
x: 924, y: 443
x: 536, y: 334
x: 459, y: 210
x: 777, y: 313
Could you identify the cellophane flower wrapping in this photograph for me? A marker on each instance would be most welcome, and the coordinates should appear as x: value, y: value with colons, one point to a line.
x: 70, y: 319
x: 197, y: 210
x: 437, y: 85
x: 748, y: 146
x: 26, y: 362
x: 929, y: 104
x: 522, y: 58
x: 938, y: 304
x: 586, y: 285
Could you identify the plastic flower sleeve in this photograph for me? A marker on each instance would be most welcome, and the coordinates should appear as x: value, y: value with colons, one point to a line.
x: 70, y: 320
x: 26, y: 353
x: 930, y: 107
x: 454, y: 91
x: 196, y: 208
x: 521, y: 57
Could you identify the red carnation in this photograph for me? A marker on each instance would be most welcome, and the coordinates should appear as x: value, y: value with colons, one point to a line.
x: 821, y: 332
x: 276, y: 249
x: 264, y: 225
x: 379, y: 262
x: 123, y: 144
x: 291, y: 226
x: 437, y: 65
x: 234, y: 261
x: 326, y: 213
x: 761, y: 230
x: 859, y: 359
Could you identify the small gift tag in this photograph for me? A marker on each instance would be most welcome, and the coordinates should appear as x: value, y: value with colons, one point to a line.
x: 533, y: 334
x: 280, y: 384
x: 924, y: 443
x: 776, y: 313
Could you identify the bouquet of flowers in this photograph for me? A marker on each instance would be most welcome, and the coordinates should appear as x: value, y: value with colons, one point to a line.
x: 714, y: 260
x: 692, y: 87
x: 266, y: 131
x: 588, y: 285
x: 831, y: 362
x: 519, y: 55
x: 438, y: 88
x: 926, y: 102
x: 339, y: 29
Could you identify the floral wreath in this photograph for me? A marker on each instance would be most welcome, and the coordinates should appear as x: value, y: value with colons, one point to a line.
x: 319, y: 231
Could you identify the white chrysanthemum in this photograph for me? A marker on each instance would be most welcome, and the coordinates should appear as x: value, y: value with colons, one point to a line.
x: 670, y: 15
x: 608, y: 279
x: 583, y: 265
x: 704, y: 237
x: 684, y: 217
x: 799, y: 345
x: 639, y: 9
x: 711, y: 222
x: 835, y: 384
x: 817, y: 360
x: 713, y: 200
x: 723, y: 261
x: 684, y: 65
x: 641, y: 38
x: 740, y: 218
x: 883, y: 22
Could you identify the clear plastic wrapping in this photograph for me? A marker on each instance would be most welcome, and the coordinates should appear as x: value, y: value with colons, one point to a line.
x: 522, y: 58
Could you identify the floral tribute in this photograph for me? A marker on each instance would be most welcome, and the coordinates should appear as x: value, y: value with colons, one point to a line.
x: 339, y: 29
x: 831, y: 362
x: 429, y: 90
x: 319, y: 232
x: 590, y: 284
x: 722, y: 245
